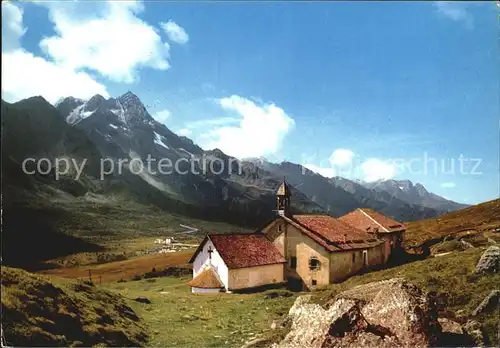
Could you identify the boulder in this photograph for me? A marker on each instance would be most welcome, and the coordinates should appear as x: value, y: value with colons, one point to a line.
x: 143, y: 300
x: 313, y: 326
x: 401, y: 308
x: 474, y: 330
x: 489, y: 261
x: 448, y: 325
x: 489, y: 303
x: 389, y: 313
x: 453, y: 335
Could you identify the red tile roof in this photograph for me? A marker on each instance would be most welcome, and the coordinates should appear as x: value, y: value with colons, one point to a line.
x: 331, y: 233
x: 368, y: 220
x: 206, y: 279
x: 244, y: 250
x: 331, y: 229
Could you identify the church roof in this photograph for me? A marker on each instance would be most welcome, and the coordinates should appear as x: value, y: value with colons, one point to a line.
x: 243, y: 249
x: 284, y: 190
x: 331, y: 233
x: 368, y: 220
x: 206, y: 279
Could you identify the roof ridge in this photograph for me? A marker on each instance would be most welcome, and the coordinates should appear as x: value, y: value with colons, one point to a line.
x: 368, y: 216
x: 234, y: 233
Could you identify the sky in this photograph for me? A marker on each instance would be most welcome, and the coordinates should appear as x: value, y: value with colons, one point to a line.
x: 363, y: 90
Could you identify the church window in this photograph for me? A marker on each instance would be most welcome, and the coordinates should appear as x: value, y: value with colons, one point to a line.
x: 293, y: 262
x: 314, y: 263
x: 314, y: 282
x: 353, y: 257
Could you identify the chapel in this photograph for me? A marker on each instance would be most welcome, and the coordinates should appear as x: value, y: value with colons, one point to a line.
x: 305, y: 250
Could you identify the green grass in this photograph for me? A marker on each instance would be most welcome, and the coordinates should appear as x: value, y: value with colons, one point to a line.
x: 42, y: 311
x: 74, y: 232
x: 176, y: 317
x: 450, y: 276
x: 215, y: 320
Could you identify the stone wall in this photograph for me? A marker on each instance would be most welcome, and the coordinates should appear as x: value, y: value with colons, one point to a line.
x: 249, y: 277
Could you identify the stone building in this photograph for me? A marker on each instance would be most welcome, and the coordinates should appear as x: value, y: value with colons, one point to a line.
x: 306, y: 250
x: 228, y: 262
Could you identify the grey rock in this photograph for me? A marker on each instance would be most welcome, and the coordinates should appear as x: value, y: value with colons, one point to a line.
x: 390, y: 313
x: 489, y: 303
x: 489, y: 261
x: 474, y: 330
x: 143, y: 300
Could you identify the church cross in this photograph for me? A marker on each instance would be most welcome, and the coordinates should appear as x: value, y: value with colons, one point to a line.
x: 210, y: 251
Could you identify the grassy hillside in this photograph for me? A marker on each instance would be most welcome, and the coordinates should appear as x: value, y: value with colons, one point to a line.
x: 450, y: 276
x: 178, y: 318
x: 482, y: 217
x: 38, y: 311
x: 76, y: 230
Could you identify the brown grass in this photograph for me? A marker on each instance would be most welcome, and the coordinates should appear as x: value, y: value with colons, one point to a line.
x: 481, y: 218
x: 114, y: 271
x: 39, y: 311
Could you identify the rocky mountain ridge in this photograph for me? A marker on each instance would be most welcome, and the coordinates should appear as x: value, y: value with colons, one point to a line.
x: 122, y: 129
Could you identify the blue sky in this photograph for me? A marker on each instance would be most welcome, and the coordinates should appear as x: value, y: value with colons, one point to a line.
x: 359, y: 89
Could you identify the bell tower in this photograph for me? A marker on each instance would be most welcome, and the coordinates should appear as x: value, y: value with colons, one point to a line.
x: 283, y: 199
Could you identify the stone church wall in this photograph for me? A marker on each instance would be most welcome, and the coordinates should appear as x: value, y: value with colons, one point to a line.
x: 344, y: 264
x: 241, y: 278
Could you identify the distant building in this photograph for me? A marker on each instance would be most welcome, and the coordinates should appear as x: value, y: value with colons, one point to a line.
x: 308, y: 250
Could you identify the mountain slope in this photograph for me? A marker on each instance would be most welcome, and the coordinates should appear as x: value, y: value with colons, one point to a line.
x: 38, y: 312
x: 406, y: 191
x: 210, y: 182
x: 339, y: 195
x: 479, y: 218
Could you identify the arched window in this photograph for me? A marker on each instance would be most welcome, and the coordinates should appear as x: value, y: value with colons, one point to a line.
x: 314, y: 264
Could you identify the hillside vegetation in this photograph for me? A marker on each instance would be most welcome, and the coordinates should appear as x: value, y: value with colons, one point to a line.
x: 178, y: 318
x: 483, y: 217
x: 37, y: 311
x: 451, y: 277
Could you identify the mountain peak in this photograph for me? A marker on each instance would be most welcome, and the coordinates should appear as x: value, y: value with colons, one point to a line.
x: 130, y: 99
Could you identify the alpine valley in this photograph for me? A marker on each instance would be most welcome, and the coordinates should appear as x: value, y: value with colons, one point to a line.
x: 38, y: 206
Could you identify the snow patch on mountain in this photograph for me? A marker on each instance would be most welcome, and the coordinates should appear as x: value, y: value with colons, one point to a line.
x: 157, y: 140
x: 86, y: 114
x: 74, y: 116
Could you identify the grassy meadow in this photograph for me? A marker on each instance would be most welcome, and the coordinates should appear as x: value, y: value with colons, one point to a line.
x: 176, y: 317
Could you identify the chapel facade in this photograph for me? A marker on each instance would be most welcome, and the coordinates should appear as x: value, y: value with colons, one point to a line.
x: 304, y: 250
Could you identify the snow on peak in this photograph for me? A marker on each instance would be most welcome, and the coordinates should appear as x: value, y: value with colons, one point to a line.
x: 158, y: 140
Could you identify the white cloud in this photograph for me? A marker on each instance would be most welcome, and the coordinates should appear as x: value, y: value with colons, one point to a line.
x: 109, y: 39
x: 175, y: 32
x: 161, y: 116
x: 448, y: 185
x: 456, y: 11
x: 221, y: 121
x: 260, y: 131
x: 341, y: 157
x: 12, y: 26
x: 184, y: 132
x: 375, y: 169
x: 326, y: 172
x: 25, y: 75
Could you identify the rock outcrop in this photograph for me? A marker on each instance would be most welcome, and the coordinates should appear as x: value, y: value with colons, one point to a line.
x: 474, y: 330
x: 390, y: 313
x: 489, y: 303
x: 489, y: 261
